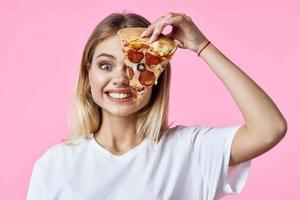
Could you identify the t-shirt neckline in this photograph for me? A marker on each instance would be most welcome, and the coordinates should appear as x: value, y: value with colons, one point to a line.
x: 132, y: 152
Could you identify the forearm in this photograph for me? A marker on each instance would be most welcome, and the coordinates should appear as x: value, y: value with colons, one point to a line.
x: 259, y: 111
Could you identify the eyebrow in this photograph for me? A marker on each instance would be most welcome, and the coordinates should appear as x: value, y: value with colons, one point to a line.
x: 106, y: 55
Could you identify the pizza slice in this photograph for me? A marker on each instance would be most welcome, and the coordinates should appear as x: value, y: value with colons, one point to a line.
x: 145, y: 62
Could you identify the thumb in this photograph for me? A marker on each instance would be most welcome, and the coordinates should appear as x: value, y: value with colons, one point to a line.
x: 172, y: 35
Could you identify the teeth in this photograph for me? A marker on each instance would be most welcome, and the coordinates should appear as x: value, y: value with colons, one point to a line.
x: 118, y: 95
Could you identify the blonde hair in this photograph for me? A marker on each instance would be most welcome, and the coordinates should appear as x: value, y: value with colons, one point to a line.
x: 85, y: 114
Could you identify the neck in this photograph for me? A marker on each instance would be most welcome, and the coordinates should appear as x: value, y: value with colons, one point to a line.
x: 118, y: 133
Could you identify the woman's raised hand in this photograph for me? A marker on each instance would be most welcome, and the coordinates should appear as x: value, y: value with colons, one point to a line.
x: 183, y: 30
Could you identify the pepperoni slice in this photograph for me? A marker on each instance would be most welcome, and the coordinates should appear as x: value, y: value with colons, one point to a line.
x: 152, y: 59
x: 130, y: 72
x: 147, y: 78
x: 135, y: 56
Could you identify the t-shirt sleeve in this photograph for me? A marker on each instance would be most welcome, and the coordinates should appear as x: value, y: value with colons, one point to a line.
x: 36, y: 189
x: 212, y: 147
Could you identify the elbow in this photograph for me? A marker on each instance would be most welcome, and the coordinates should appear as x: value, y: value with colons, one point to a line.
x: 283, y: 128
x: 279, y: 131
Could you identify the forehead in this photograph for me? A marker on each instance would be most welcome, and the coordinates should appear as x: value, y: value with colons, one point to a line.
x: 110, y: 46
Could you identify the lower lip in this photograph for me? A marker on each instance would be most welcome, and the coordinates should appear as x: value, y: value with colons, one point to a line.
x: 119, y: 100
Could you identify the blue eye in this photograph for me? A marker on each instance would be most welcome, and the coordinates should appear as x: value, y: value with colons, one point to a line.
x: 106, y: 66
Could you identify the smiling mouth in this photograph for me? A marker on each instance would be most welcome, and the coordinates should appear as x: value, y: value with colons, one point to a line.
x: 119, y: 98
x: 119, y: 95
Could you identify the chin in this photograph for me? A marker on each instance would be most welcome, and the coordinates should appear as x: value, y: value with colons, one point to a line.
x: 121, y: 112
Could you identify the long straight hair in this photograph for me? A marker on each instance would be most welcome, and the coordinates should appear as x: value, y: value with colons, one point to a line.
x: 85, y: 114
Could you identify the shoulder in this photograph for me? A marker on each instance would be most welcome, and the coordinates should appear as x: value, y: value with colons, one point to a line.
x: 200, y: 133
x: 60, y: 153
x: 178, y: 142
x: 185, y: 131
x: 183, y: 134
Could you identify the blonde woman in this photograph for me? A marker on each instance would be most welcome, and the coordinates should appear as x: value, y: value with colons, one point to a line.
x: 123, y: 149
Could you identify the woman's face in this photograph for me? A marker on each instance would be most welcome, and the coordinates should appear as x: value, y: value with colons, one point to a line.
x: 108, y: 72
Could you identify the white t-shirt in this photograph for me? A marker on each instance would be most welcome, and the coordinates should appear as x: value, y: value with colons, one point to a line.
x: 190, y: 162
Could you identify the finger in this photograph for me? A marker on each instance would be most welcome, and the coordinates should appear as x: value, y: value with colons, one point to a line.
x: 156, y: 32
x: 185, y: 16
x: 150, y: 28
x: 176, y: 20
x: 148, y: 31
x: 173, y: 21
x: 171, y: 35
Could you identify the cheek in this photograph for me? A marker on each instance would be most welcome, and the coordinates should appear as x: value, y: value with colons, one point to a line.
x: 97, y: 84
x: 148, y: 94
x: 97, y: 81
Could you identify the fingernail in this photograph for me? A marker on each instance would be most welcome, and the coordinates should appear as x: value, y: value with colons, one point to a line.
x: 144, y: 33
x: 151, y: 39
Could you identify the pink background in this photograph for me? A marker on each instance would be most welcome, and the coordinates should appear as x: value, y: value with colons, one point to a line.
x: 41, y: 47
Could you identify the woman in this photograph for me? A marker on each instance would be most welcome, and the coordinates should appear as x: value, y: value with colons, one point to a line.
x: 122, y: 149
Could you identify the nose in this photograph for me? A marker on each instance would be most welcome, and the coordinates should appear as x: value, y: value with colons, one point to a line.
x: 121, y: 77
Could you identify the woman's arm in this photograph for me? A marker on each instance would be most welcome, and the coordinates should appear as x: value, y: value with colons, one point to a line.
x: 264, y: 124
